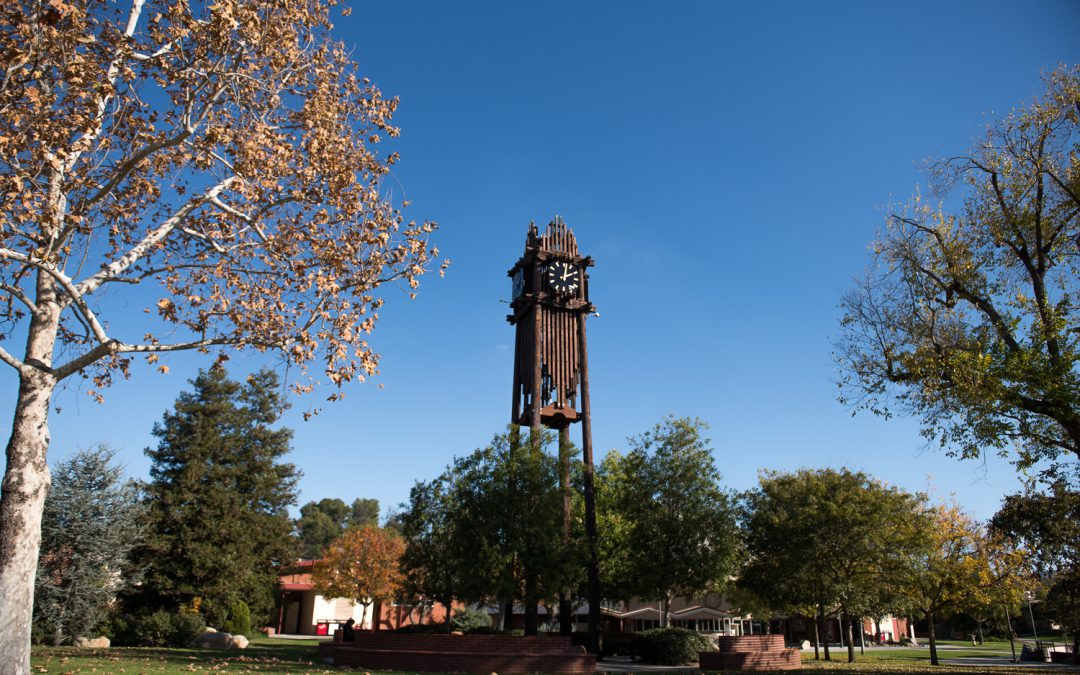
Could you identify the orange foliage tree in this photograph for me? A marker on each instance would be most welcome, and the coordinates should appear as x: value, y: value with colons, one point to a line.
x: 957, y: 567
x: 364, y: 565
x: 212, y: 162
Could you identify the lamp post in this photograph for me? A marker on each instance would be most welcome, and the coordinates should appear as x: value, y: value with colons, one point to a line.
x: 1030, y: 596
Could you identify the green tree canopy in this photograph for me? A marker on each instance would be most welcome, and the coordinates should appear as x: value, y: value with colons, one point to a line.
x: 323, y: 521
x: 825, y: 541
x: 948, y: 572
x: 667, y: 524
x: 217, y: 498
x: 967, y: 317
x: 490, y: 527
x: 90, y: 524
x: 428, y: 559
x: 1047, y: 523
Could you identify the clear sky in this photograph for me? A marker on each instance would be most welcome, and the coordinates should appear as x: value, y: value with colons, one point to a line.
x: 726, y: 164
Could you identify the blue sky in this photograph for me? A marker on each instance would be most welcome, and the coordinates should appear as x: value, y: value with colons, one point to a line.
x: 726, y: 164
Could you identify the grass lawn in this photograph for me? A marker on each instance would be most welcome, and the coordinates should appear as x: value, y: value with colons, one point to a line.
x: 916, y: 660
x: 263, y: 655
x: 923, y: 668
x: 299, y: 656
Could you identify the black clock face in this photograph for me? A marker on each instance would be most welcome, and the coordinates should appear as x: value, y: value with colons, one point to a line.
x: 562, y: 277
x: 519, y: 283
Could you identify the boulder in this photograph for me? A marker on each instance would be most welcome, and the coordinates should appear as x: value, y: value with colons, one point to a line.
x: 92, y: 643
x: 213, y: 640
x: 239, y: 642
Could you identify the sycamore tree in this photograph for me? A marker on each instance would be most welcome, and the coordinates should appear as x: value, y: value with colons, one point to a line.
x: 213, y: 162
x: 967, y: 317
x: 363, y: 565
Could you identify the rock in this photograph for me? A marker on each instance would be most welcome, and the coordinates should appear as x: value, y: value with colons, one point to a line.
x: 92, y: 643
x: 239, y: 642
x: 217, y: 640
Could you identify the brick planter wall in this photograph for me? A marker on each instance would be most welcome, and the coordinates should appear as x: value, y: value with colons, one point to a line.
x: 460, y: 653
x: 751, y: 652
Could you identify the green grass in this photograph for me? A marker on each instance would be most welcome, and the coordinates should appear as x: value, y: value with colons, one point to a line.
x: 263, y: 655
x: 916, y: 660
x: 918, y: 668
x: 299, y: 656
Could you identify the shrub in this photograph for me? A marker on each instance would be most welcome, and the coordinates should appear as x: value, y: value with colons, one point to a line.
x: 239, y: 619
x: 670, y: 646
x: 468, y: 620
x: 614, y: 644
x: 160, y: 628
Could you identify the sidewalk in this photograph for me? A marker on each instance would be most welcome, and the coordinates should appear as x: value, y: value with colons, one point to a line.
x: 1000, y: 662
x: 622, y: 664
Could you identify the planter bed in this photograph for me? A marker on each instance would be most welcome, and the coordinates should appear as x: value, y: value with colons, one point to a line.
x: 751, y: 652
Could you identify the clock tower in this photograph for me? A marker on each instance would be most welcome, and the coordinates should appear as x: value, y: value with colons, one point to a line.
x: 549, y: 306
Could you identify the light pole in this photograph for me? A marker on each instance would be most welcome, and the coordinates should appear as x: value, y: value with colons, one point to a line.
x: 1030, y: 595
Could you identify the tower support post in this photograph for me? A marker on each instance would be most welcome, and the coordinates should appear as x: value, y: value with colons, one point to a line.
x: 590, y: 496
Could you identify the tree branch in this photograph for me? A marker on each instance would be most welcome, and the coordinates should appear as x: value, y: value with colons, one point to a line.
x: 73, y: 293
x: 118, y: 266
x: 88, y: 137
x: 11, y: 360
x: 18, y: 293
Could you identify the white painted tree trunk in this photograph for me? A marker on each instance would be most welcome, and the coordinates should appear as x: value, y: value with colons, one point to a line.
x: 25, y: 484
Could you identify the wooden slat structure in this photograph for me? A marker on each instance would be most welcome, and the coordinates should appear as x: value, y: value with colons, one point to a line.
x: 547, y: 347
x: 551, y: 366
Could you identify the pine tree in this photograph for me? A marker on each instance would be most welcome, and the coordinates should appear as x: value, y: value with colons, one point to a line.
x: 324, y: 521
x: 217, y: 498
x: 89, y: 526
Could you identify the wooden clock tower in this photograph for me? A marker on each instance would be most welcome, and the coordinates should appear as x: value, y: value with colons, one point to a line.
x: 549, y: 306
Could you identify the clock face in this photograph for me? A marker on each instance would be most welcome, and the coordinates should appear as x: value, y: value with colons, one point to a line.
x: 563, y: 277
x: 519, y: 283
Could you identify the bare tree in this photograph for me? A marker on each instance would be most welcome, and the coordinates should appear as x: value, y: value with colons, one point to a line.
x: 219, y: 153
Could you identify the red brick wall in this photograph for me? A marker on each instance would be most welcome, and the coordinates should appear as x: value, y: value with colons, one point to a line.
x: 460, y: 653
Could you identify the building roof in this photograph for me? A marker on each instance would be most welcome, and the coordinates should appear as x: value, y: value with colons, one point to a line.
x: 296, y: 582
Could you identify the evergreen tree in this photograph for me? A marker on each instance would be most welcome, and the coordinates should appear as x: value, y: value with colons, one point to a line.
x: 89, y: 526
x: 324, y: 521
x: 217, y: 498
x: 319, y: 524
x: 364, y: 512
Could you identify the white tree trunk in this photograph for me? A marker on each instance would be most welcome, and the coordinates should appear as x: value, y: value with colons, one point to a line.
x: 25, y: 484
